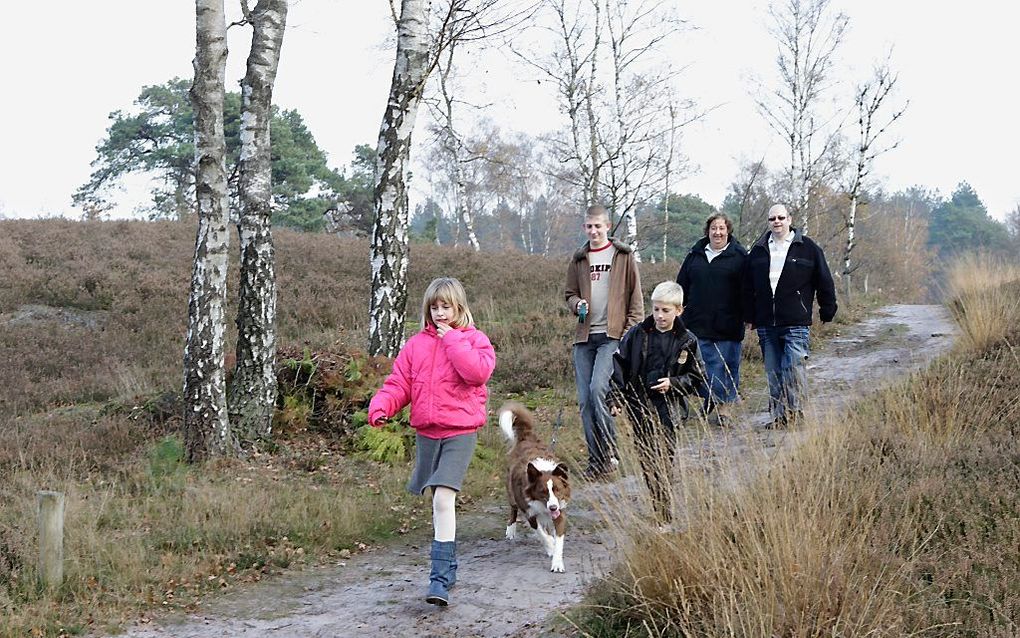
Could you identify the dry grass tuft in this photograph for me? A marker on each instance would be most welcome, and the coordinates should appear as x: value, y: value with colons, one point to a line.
x: 984, y: 296
x: 157, y: 534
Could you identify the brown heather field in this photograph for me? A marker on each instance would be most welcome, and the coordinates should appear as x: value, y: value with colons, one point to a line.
x: 900, y: 518
x: 121, y: 292
x: 92, y: 320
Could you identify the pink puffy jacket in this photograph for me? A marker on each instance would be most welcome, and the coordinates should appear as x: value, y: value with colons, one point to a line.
x: 444, y: 381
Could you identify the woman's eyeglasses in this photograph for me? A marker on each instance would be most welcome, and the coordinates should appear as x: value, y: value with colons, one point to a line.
x: 781, y: 218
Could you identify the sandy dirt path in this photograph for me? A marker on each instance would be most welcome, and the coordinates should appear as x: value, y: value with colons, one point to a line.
x: 505, y: 588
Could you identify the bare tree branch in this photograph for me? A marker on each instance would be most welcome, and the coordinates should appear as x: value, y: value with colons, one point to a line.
x: 808, y: 35
x: 870, y: 97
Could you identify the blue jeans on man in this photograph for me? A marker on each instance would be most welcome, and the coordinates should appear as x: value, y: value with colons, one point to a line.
x: 722, y: 368
x: 785, y: 351
x: 593, y: 367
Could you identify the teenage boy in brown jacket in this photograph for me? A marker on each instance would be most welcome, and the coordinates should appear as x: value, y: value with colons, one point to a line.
x: 604, y: 290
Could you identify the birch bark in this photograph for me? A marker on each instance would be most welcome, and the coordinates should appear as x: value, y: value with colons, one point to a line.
x: 389, y: 250
x: 206, y: 428
x: 252, y: 393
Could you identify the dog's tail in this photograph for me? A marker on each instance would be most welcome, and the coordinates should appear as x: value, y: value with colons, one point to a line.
x: 516, y: 422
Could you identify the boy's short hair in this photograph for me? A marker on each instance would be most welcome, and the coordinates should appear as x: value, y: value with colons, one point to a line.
x: 669, y: 292
x: 597, y: 210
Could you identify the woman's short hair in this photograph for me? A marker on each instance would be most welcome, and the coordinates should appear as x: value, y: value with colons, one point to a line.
x: 669, y: 292
x: 722, y: 216
x: 448, y: 290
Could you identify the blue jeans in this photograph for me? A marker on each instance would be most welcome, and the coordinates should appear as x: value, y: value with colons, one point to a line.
x: 722, y: 368
x: 785, y: 351
x: 593, y: 367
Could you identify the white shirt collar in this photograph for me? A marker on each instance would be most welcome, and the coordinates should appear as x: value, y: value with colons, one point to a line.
x: 786, y: 240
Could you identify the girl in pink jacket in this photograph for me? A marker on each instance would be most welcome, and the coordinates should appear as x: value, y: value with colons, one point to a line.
x: 441, y: 372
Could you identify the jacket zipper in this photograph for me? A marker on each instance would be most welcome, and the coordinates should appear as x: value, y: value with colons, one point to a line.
x: 801, y: 301
x: 774, y: 319
x: 432, y: 380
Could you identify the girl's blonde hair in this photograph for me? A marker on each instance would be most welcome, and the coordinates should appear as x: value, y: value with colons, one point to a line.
x: 451, y: 291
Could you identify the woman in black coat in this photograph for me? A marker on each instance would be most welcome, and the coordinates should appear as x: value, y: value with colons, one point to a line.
x: 711, y: 276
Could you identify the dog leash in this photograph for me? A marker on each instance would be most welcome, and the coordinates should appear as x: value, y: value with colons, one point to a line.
x: 556, y: 426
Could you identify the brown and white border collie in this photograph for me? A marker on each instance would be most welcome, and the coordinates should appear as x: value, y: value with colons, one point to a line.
x: 536, y: 483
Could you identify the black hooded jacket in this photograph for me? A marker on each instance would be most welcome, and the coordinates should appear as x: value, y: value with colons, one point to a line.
x: 713, y: 292
x: 685, y: 368
x: 805, y: 274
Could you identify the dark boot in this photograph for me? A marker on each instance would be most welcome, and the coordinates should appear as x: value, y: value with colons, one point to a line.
x: 444, y: 572
x: 453, y: 568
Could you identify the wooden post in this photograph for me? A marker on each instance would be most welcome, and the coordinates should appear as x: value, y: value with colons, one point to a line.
x: 51, y: 538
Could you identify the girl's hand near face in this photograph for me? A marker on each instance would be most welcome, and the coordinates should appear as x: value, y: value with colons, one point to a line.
x: 442, y: 329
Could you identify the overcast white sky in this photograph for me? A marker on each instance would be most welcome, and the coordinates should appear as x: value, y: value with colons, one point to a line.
x: 67, y: 65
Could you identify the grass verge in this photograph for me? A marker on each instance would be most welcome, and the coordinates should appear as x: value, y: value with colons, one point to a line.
x: 900, y: 518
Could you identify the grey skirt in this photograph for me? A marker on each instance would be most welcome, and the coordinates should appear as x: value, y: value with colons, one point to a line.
x: 441, y: 462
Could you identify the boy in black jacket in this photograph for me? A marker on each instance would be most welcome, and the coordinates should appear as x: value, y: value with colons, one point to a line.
x: 657, y: 367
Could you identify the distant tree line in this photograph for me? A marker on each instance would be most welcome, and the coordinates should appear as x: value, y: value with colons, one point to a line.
x: 516, y: 199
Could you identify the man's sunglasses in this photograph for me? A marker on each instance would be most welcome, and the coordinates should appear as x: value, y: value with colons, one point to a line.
x: 781, y: 218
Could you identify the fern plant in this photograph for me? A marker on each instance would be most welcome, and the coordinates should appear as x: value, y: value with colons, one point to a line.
x: 391, y: 443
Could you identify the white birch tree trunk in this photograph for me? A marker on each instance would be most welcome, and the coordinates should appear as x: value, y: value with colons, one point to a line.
x: 524, y: 234
x: 206, y: 428
x: 574, y: 69
x: 455, y: 149
x: 669, y: 168
x: 870, y: 98
x: 547, y: 231
x: 851, y: 225
x: 252, y: 393
x: 632, y: 238
x: 529, y: 233
x: 464, y: 213
x: 389, y: 250
x: 593, y: 155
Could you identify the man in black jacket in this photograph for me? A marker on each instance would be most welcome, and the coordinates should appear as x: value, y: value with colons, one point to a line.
x: 785, y: 271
